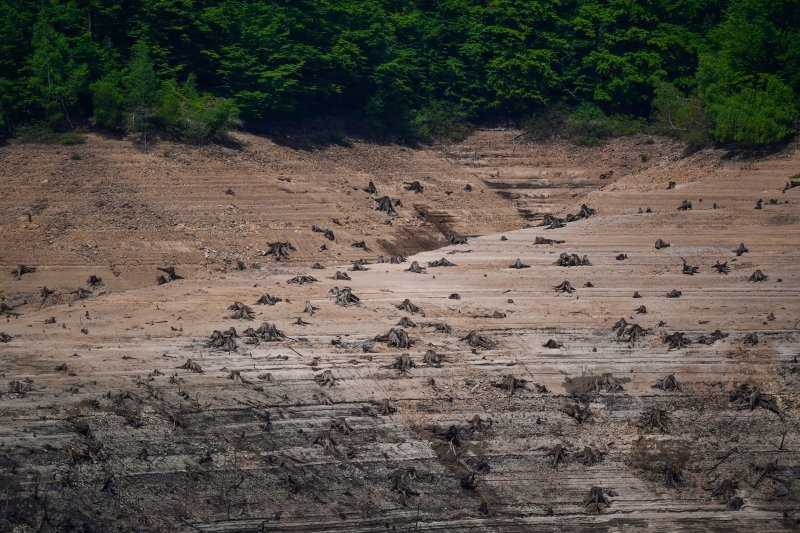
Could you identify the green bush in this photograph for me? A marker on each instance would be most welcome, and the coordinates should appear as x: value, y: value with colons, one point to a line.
x: 108, y: 101
x: 43, y: 133
x: 187, y: 115
x: 547, y: 123
x: 679, y: 116
x: 441, y: 121
x: 589, y: 125
x: 755, y: 116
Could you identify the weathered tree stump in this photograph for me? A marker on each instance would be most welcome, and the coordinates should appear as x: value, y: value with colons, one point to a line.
x: 5, y: 337
x: 415, y: 186
x: 223, y: 340
x: 241, y: 311
x: 309, y: 308
x: 590, y: 456
x: 621, y: 257
x: 395, y: 338
x: 303, y: 279
x: 672, y: 477
x: 510, y: 383
x: 685, y: 205
x: 596, y: 502
x: 655, y: 419
x: 370, y: 188
x: 387, y: 205
x: 476, y: 340
x: 266, y: 299
x: 570, y: 260
x: 641, y: 310
x: 676, y: 340
x: 741, y: 249
x: 564, y: 286
x: 518, y: 264
x: 325, y: 379
x: 279, y: 250
x: 584, y: 212
x: 674, y: 293
x: 552, y: 345
x: 431, y: 358
x: 415, y: 268
x: 579, y: 412
x: 558, y: 454
x: 758, y: 276
x: 712, y: 338
x: 21, y: 270
x: 94, y: 281
x: 403, y: 363
x: 409, y: 307
x: 688, y: 269
x: 360, y: 244
x: 543, y: 240
x: 722, y: 268
x: 317, y: 266
x: 192, y: 366
x: 457, y: 239
x: 342, y: 276
x: 266, y: 332
x: 345, y: 296
x: 406, y: 322
x: 441, y: 263
x: 661, y: 244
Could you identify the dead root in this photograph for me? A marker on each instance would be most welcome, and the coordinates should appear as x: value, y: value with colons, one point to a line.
x: 409, y: 307
x: 240, y: 311
x: 192, y: 366
x: 477, y: 340
x: 396, y: 338
x: 668, y: 384
x: 747, y: 396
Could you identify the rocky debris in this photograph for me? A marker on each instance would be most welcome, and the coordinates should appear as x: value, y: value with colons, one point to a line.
x: 266, y: 299
x: 712, y: 338
x: 325, y: 379
x: 476, y: 340
x: 558, y: 454
x: 279, y: 250
x: 552, y: 345
x: 457, y: 239
x: 303, y: 279
x: 685, y: 205
x: 395, y: 338
x: 688, y: 269
x: 510, y: 383
x: 674, y: 293
x: 345, y: 296
x: 676, y: 340
x: 564, y: 286
x: 192, y: 366
x: 570, y: 260
x: 387, y: 205
x: 431, y: 358
x: 655, y: 419
x: 94, y: 281
x: 407, y: 322
x: 751, y: 339
x: 518, y: 264
x: 267, y: 332
x: 721, y: 268
x: 342, y: 276
x: 415, y: 268
x: 668, y: 384
x: 415, y: 186
x: 747, y: 396
x: 223, y: 340
x: 403, y: 363
x: 441, y: 263
x: 370, y: 188
x: 171, y: 275
x: 5, y: 337
x: 661, y: 244
x: 240, y: 311
x: 741, y: 249
x: 596, y: 502
x: 758, y: 276
x: 543, y: 240
x: 21, y: 270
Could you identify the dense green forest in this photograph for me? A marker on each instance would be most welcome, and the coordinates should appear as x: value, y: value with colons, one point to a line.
x: 727, y: 70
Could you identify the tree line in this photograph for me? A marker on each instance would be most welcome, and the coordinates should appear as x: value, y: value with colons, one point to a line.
x: 727, y: 70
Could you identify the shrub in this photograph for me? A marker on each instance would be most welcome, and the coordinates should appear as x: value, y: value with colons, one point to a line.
x: 589, y: 125
x: 108, y: 101
x: 442, y: 121
x: 679, y: 116
x: 547, y: 123
x: 43, y: 133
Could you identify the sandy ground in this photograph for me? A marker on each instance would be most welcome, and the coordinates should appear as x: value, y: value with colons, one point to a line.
x: 103, y: 429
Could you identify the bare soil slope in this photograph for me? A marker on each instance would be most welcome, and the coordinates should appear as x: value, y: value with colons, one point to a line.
x: 119, y: 413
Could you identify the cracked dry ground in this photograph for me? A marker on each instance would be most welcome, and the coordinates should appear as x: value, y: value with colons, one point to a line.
x: 135, y: 424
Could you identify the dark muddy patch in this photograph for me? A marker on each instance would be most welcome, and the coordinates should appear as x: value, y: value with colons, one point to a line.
x: 532, y: 185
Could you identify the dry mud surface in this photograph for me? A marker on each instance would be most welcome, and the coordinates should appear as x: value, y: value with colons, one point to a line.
x: 116, y: 415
